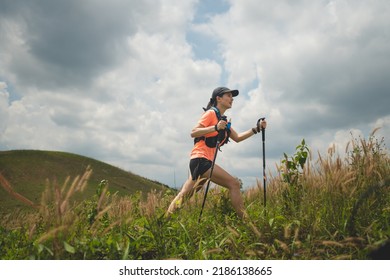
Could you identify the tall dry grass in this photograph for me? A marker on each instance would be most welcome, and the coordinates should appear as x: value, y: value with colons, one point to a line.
x: 342, y: 199
x: 364, y: 164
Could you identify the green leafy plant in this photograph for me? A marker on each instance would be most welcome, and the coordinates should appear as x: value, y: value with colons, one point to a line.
x: 295, y: 164
x: 291, y: 173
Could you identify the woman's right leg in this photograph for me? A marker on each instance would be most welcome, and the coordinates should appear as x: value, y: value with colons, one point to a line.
x: 198, y: 166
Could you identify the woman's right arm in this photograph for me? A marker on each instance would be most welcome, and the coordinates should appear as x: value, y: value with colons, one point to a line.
x: 199, y: 130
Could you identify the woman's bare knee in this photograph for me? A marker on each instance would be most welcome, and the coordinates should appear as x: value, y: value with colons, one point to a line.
x: 233, y: 184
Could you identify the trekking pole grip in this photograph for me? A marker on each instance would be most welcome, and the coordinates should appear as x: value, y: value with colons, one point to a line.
x: 262, y: 129
x: 221, y: 132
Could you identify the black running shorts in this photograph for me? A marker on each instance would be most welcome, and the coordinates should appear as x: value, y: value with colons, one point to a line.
x: 198, y: 166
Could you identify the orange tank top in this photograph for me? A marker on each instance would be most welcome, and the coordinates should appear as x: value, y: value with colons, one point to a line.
x: 200, y: 149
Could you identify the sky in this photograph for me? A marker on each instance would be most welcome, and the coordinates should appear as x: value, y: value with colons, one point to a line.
x: 124, y: 81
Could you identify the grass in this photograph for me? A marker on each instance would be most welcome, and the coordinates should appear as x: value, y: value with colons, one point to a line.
x: 28, y: 170
x: 337, y: 208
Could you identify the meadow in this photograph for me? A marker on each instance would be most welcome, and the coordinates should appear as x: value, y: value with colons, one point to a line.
x: 336, y: 207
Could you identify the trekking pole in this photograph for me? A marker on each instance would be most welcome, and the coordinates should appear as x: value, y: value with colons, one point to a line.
x: 264, y: 177
x: 221, y: 134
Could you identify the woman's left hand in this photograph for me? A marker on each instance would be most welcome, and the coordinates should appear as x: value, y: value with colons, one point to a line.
x: 263, y: 124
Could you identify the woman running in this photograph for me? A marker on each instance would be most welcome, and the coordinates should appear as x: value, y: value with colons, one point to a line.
x: 205, y: 135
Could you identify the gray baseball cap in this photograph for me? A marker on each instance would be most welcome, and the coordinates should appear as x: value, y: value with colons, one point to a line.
x: 219, y: 91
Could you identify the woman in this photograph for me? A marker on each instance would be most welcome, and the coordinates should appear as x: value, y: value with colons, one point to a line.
x: 205, y: 134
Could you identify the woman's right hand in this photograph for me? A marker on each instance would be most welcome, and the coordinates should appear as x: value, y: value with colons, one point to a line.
x: 221, y: 125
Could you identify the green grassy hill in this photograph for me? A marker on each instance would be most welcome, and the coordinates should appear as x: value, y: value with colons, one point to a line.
x: 28, y: 171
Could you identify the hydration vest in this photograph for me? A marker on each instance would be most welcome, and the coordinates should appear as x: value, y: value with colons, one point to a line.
x: 223, y: 135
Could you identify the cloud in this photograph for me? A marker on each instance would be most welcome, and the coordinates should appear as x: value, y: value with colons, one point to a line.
x: 320, y: 66
x: 124, y: 81
x: 66, y: 43
x: 133, y: 107
x: 4, y: 96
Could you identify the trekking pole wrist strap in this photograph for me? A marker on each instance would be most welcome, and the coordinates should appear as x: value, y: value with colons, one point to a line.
x: 254, y: 130
x: 216, y: 127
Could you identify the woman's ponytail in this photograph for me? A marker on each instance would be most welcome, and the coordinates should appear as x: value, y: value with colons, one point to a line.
x: 212, y: 103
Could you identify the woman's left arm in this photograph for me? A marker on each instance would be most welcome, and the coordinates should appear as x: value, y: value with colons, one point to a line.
x: 238, y: 137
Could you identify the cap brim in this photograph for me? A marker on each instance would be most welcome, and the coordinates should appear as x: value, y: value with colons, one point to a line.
x: 234, y: 92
